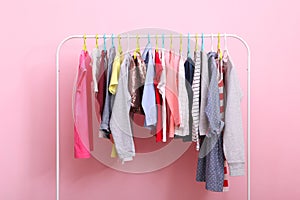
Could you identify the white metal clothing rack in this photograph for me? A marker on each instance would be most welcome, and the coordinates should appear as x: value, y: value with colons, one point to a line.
x: 151, y: 36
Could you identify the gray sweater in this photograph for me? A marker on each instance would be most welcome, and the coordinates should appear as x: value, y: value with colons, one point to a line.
x: 233, y: 140
x: 120, y: 122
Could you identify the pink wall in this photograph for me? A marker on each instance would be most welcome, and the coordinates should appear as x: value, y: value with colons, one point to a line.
x: 32, y: 29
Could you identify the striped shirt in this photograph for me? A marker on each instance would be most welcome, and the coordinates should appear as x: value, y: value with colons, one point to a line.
x: 196, y: 95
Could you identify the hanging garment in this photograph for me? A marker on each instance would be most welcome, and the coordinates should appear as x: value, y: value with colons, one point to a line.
x: 120, y: 121
x: 210, y: 167
x: 189, y: 66
x: 95, y: 62
x: 222, y: 113
x: 148, y: 98
x: 213, y: 99
x: 115, y: 74
x: 172, y: 62
x: 183, y: 129
x: 102, y: 81
x: 158, y: 97
x: 81, y: 110
x: 162, y: 90
x: 196, y: 97
x: 203, y: 121
x: 137, y: 76
x: 233, y: 131
x: 104, y: 126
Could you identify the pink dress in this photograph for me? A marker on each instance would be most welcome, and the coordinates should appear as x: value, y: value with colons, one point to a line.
x: 81, y: 107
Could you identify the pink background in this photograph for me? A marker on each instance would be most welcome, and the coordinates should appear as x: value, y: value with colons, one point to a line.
x: 30, y: 33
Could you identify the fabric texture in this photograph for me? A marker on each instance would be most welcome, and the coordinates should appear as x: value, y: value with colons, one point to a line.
x: 120, y: 120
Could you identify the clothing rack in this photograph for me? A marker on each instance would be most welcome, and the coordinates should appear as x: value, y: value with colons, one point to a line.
x: 151, y: 36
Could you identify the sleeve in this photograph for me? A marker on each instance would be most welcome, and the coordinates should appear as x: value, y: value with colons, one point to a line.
x: 233, y: 132
x: 114, y: 76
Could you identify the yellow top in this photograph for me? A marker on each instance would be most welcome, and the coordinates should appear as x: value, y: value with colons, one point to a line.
x: 115, y: 74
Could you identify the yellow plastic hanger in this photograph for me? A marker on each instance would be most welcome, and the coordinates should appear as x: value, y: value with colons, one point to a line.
x: 180, y: 47
x: 84, y: 43
x: 97, y: 37
x: 137, y: 50
x: 119, y: 45
x: 219, y: 47
x: 196, y: 45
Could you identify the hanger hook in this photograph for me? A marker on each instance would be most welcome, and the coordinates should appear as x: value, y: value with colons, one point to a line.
x: 180, y: 48
x: 97, y: 37
x: 163, y: 40
x: 171, y: 42
x: 202, y: 42
x: 128, y: 43
x: 156, y: 42
x: 196, y: 45
x: 119, y: 44
x: 112, y: 40
x: 212, y: 42
x: 188, y: 45
x: 84, y: 42
x: 149, y: 38
x: 225, y: 41
x: 104, y: 42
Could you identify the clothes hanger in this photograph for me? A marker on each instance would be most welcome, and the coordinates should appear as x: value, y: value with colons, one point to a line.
x: 225, y: 52
x: 212, y: 42
x: 104, y: 42
x: 163, y: 40
x: 156, y: 43
x: 202, y: 42
x: 180, y: 47
x: 188, y: 49
x: 196, y: 45
x: 119, y: 45
x: 149, y: 41
x: 112, y: 40
x: 84, y: 48
x: 137, y: 50
x: 219, y: 47
x: 171, y: 42
x: 128, y: 43
x: 97, y: 37
x: 219, y: 52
